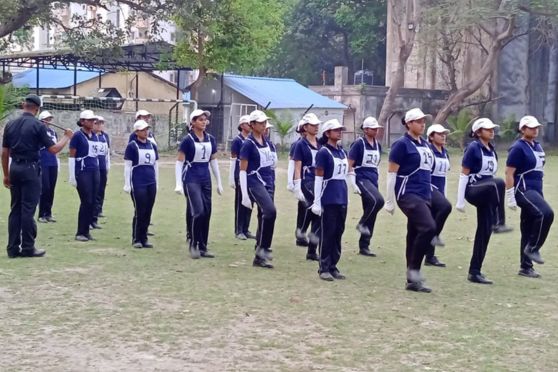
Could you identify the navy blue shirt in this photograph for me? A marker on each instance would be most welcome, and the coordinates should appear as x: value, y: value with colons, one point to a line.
x: 482, y: 162
x: 236, y: 145
x: 260, y: 161
x: 293, y: 145
x: 528, y: 159
x: 143, y: 157
x: 198, y: 154
x: 415, y: 160
x: 275, y: 158
x: 87, y: 150
x: 150, y: 136
x: 440, y: 168
x: 334, y: 163
x: 103, y: 150
x: 366, y: 159
x: 25, y: 136
x: 48, y: 159
x: 305, y: 152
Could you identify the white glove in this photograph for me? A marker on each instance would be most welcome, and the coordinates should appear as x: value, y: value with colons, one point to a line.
x: 316, y: 208
x: 298, y: 191
x: 72, y: 172
x: 243, y: 180
x: 58, y: 163
x: 127, y: 175
x: 215, y: 170
x: 107, y: 159
x: 389, y: 205
x: 352, y: 180
x: 461, y: 187
x: 157, y: 174
x: 290, y: 175
x: 178, y: 188
x: 232, y: 168
x: 510, y: 198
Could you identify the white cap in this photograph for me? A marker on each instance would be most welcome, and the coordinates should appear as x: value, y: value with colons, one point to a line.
x: 331, y: 124
x: 371, y: 122
x: 311, y: 119
x: 268, y: 125
x: 45, y: 115
x: 100, y: 118
x: 258, y: 116
x: 483, y: 123
x: 197, y: 113
x: 415, y: 114
x: 142, y: 113
x: 300, y: 125
x: 436, y: 128
x: 244, y: 119
x: 527, y: 121
x: 87, y: 115
x: 140, y: 125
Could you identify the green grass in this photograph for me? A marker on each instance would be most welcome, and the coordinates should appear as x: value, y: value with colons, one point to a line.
x: 106, y: 306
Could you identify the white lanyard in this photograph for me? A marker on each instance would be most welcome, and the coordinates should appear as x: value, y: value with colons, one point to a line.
x: 370, y: 158
x: 146, y: 156
x: 539, y: 166
x: 426, y: 162
x: 267, y: 159
x: 441, y: 166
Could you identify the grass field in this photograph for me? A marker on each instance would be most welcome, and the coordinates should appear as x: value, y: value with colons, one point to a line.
x: 106, y: 306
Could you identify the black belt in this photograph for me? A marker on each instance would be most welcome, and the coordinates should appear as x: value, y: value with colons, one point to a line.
x: 25, y: 161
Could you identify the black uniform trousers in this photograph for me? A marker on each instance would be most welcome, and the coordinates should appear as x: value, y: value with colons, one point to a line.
x: 263, y: 197
x: 485, y: 196
x: 441, y: 209
x: 87, y: 187
x: 372, y: 203
x: 536, y: 219
x: 25, y: 190
x: 100, y: 199
x: 332, y: 226
x: 49, y: 176
x: 143, y: 198
x: 421, y: 228
x: 199, y: 203
x: 310, y: 219
x: 499, y: 212
x: 242, y: 215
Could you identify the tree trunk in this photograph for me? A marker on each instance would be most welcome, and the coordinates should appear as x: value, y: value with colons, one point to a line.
x: 194, y: 88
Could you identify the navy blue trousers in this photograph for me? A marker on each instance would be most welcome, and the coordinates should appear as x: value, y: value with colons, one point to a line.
x: 87, y: 187
x: 242, y: 215
x: 199, y: 203
x: 441, y: 209
x: 310, y: 219
x: 263, y: 197
x: 372, y: 203
x: 332, y: 226
x: 49, y: 176
x: 100, y: 199
x: 143, y: 198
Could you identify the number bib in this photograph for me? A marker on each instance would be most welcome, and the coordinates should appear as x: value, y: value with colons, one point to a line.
x: 266, y: 157
x: 340, y: 168
x: 103, y: 149
x: 202, y: 153
x: 370, y: 158
x: 426, y: 158
x: 146, y: 156
x: 441, y: 167
x: 540, y: 158
x: 489, y: 165
x: 94, y: 149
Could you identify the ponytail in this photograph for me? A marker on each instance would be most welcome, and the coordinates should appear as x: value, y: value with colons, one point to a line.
x: 323, y: 139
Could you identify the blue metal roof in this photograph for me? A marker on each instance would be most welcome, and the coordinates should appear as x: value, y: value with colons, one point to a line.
x: 282, y: 93
x: 51, y: 78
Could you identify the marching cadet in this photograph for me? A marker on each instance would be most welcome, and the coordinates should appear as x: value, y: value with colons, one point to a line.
x: 50, y: 165
x: 104, y: 167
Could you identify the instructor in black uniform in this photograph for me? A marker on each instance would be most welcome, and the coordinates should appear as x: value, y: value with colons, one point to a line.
x: 23, y: 138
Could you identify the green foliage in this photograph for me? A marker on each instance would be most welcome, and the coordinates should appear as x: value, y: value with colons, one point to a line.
x: 508, y: 129
x: 10, y: 97
x: 283, y: 125
x: 228, y: 35
x: 321, y: 34
x: 460, y: 127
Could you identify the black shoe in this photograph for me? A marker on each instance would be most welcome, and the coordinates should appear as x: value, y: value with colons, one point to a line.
x: 42, y: 220
x: 417, y: 287
x: 500, y: 229
x: 101, y: 215
x: 529, y: 272
x: 50, y: 219
x: 95, y: 225
x: 151, y: 234
x: 137, y: 245
x: 327, y: 276
x: 82, y: 238
x: 90, y: 237
x: 337, y: 275
x: 264, y: 254
x: 366, y: 252
x: 302, y: 242
x: 478, y: 278
x: 13, y: 254
x: 533, y: 254
x: 206, y: 254
x: 32, y: 252
x: 312, y: 256
x: 147, y: 245
x: 194, y: 252
x: 249, y: 235
x: 258, y: 262
x: 433, y: 261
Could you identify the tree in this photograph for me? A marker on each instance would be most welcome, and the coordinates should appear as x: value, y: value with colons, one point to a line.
x: 227, y: 35
x: 18, y: 16
x: 10, y: 97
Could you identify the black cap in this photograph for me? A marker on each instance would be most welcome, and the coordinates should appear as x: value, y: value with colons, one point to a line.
x: 34, y: 99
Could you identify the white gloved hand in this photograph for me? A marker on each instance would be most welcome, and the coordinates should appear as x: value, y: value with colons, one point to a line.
x: 232, y: 169
x: 389, y: 205
x: 178, y: 188
x: 290, y: 175
x: 298, y: 191
x: 214, y: 165
x: 463, y: 181
x: 72, y: 172
x: 243, y: 180
x: 510, y: 198
x: 352, y: 180
x: 127, y: 189
x: 219, y: 189
x: 316, y: 209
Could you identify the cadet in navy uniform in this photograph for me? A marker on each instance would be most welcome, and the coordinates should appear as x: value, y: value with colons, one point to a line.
x: 302, y: 224
x: 331, y: 198
x: 305, y: 164
x: 524, y: 183
x: 147, y: 117
x: 409, y: 183
x: 256, y: 184
x: 104, y: 166
x: 364, y: 159
x: 83, y: 167
x: 23, y: 138
x: 441, y: 207
x: 49, y: 173
x: 479, y: 187
x: 196, y: 155
x: 242, y: 214
x: 141, y: 174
